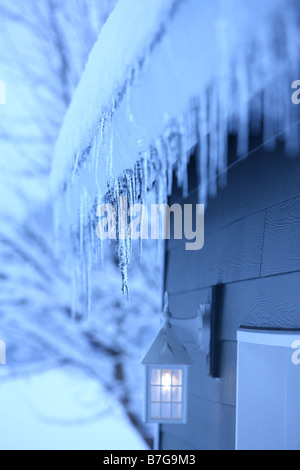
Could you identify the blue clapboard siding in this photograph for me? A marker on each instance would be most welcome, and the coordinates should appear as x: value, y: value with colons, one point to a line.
x: 270, y: 302
x: 281, y: 252
x: 252, y: 246
x: 170, y: 442
x: 259, y: 182
x: 210, y: 423
x: 204, y: 386
x: 229, y: 254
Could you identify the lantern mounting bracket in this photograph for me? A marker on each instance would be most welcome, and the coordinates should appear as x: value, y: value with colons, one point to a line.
x: 203, y: 328
x: 197, y: 327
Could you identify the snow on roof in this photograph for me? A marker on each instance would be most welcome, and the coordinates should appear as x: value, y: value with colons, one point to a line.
x: 122, y: 45
x: 163, y: 76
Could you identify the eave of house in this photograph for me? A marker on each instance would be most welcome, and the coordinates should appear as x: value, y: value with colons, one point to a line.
x: 163, y: 76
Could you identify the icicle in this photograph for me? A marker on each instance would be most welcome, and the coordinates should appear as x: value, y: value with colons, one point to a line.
x: 100, y: 144
x: 222, y: 148
x: 269, y: 126
x: 170, y: 179
x: 223, y: 92
x: 145, y: 177
x: 203, y: 148
x: 163, y: 155
x: 87, y: 253
x: 111, y: 150
x: 292, y: 126
x: 75, y: 167
x: 243, y: 112
x: 123, y: 247
x: 130, y: 203
x: 81, y: 228
x: 139, y: 190
x: 74, y: 293
x: 213, y: 142
x: 184, y: 161
x: 167, y: 165
x: 129, y: 113
x: 256, y: 114
x: 192, y: 134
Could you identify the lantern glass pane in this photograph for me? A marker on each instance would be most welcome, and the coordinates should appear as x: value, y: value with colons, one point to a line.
x: 177, y: 377
x: 166, y: 377
x: 155, y: 394
x: 176, y: 394
x: 155, y: 377
x: 155, y: 411
x: 166, y: 410
x: 166, y: 393
x: 176, y: 411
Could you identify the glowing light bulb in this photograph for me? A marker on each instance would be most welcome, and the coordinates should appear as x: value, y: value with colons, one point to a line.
x: 166, y: 378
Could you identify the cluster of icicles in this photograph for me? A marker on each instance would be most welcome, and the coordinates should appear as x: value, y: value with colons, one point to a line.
x: 204, y: 128
x: 154, y: 171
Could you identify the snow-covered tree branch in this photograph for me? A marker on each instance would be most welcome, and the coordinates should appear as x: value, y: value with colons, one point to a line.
x: 44, y: 47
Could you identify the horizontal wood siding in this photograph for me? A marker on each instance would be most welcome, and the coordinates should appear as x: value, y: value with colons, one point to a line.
x: 210, y: 425
x: 271, y: 302
x: 229, y: 254
x: 252, y: 246
x: 281, y: 251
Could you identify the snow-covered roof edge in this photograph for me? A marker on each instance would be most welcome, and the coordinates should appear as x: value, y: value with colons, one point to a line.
x: 122, y: 48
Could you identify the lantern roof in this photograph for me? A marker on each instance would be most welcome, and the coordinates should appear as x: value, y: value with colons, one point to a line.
x: 167, y: 349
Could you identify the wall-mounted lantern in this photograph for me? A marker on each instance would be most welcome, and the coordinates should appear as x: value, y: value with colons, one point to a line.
x: 167, y: 361
x: 166, y: 377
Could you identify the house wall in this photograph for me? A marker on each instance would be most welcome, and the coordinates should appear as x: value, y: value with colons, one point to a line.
x: 252, y: 246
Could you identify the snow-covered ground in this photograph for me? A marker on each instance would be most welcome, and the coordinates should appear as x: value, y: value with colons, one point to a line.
x: 58, y: 411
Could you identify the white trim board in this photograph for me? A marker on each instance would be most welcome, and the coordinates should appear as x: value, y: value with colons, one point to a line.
x: 268, y: 337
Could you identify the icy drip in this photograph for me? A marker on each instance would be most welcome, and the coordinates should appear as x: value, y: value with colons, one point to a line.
x: 223, y: 44
x: 213, y: 140
x: 121, y: 196
x: 201, y: 110
x: 140, y: 193
x: 243, y: 110
x: 98, y: 152
x: 292, y: 70
x: 85, y: 249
